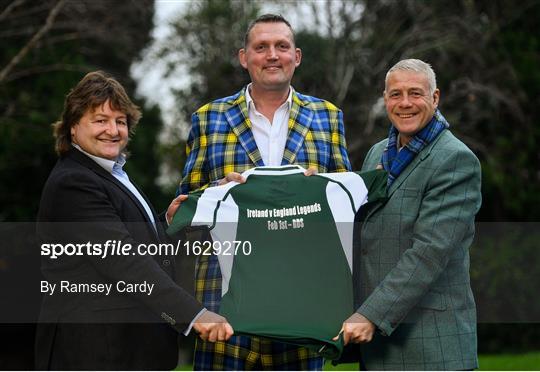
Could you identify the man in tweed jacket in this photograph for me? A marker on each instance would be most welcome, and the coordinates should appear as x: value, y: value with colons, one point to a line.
x: 266, y: 123
x: 412, y: 281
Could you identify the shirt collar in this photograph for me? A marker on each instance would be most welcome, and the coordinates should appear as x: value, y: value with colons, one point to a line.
x: 251, y: 104
x: 398, y: 143
x: 106, y: 164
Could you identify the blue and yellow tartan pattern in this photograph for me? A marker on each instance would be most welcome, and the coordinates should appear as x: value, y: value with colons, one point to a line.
x: 221, y: 141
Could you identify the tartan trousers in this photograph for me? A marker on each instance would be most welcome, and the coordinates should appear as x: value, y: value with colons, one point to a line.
x: 242, y: 352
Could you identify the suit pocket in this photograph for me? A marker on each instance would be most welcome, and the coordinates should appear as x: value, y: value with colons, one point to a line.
x: 433, y: 301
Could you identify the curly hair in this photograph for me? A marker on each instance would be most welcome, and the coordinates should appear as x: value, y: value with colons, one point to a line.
x: 92, y: 91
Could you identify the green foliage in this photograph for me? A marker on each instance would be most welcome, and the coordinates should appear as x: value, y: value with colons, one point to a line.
x: 486, y: 58
x: 143, y: 165
x: 173, y: 156
x: 32, y: 95
x: 504, y: 276
x: 206, y: 41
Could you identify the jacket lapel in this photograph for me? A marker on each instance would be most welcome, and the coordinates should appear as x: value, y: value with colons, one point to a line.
x: 159, y: 227
x: 300, y: 119
x: 238, y: 118
x: 416, y: 161
x: 406, y: 173
x: 96, y: 168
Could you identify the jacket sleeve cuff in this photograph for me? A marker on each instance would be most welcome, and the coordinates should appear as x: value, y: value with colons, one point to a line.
x: 383, y: 325
x: 188, y: 329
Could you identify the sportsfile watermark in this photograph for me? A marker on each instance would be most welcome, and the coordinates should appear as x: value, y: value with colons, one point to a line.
x: 119, y: 248
x: 54, y: 265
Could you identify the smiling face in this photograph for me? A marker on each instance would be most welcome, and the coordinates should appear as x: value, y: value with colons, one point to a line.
x: 102, y: 132
x: 409, y: 104
x: 270, y: 56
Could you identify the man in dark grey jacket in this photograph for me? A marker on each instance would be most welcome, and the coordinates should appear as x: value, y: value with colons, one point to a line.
x: 108, y: 311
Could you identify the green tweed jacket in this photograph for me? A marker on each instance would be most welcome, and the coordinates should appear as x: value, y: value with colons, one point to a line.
x: 413, y: 262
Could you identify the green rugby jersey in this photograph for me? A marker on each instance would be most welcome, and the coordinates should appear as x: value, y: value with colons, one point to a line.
x: 289, y: 274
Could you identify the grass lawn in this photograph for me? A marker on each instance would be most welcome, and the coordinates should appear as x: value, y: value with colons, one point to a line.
x: 510, y: 362
x: 497, y: 362
x: 492, y: 362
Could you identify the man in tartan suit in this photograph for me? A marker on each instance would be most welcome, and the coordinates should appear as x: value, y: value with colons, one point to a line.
x: 412, y: 279
x: 266, y: 123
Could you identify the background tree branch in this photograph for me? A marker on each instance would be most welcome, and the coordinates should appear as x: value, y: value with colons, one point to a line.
x: 32, y: 42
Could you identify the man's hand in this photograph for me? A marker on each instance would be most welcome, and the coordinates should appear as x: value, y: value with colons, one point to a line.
x: 173, y: 207
x: 213, y: 327
x: 356, y: 329
x: 230, y: 177
x: 311, y: 171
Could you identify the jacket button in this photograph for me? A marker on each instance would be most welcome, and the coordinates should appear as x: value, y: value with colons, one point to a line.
x: 166, y: 262
x: 364, y: 252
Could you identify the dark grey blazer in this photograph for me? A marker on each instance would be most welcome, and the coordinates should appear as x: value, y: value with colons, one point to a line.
x: 413, y: 262
x: 82, y: 202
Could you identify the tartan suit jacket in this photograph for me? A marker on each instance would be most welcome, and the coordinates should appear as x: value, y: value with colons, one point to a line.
x: 413, y: 276
x: 221, y: 140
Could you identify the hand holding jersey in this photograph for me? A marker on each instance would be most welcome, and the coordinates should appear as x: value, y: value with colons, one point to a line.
x: 213, y: 327
x: 356, y: 329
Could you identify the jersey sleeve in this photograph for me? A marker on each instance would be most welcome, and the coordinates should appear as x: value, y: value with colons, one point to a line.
x: 199, y: 208
x: 375, y: 181
x: 362, y: 187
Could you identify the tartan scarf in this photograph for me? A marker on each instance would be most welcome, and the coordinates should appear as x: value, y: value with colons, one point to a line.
x: 395, y: 162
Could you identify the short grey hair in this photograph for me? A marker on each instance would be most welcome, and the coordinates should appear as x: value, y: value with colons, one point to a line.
x: 415, y: 65
x: 267, y: 18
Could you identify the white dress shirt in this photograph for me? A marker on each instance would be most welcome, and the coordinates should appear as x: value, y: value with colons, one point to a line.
x: 270, y: 137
